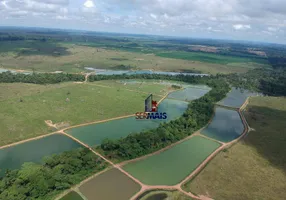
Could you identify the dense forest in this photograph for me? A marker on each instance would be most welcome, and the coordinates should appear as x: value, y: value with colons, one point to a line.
x: 55, y: 174
x: 39, y: 78
x: 269, y: 82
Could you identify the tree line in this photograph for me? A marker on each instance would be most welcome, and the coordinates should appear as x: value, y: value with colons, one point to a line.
x: 55, y: 174
x: 39, y: 78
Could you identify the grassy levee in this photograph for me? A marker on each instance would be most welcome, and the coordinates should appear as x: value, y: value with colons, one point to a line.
x: 254, y: 168
x: 24, y: 111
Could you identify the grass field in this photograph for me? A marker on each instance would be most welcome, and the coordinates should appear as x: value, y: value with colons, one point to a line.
x: 148, y: 87
x: 163, y: 195
x: 47, y: 56
x: 22, y: 120
x: 254, y: 168
x: 173, y: 165
x: 109, y: 185
x: 72, y: 196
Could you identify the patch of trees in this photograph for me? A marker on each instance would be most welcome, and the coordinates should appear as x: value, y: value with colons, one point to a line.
x: 197, y: 115
x: 39, y: 78
x: 269, y: 82
x: 55, y: 174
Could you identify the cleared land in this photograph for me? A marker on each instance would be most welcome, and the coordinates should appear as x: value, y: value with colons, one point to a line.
x: 49, y: 56
x: 33, y: 151
x: 173, y: 165
x: 144, y: 86
x: 24, y: 110
x: 225, y: 126
x: 72, y: 196
x: 254, y: 168
x: 112, y: 184
x: 162, y: 195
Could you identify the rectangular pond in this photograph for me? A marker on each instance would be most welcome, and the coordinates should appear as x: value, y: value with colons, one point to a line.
x: 112, y: 184
x: 13, y: 157
x: 236, y: 97
x: 94, y: 134
x: 173, y: 165
x: 225, y: 126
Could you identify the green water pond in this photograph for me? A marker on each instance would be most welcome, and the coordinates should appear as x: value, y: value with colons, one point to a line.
x: 225, y: 126
x: 236, y: 97
x: 173, y: 165
x: 94, y: 134
x: 188, y: 94
x: 33, y: 151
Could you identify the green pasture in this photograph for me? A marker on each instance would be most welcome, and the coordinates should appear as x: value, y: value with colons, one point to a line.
x: 13, y: 157
x: 255, y: 167
x: 211, y: 57
x: 173, y: 165
x: 22, y: 115
x: 73, y: 57
x: 139, y: 85
x: 112, y: 184
x: 225, y: 126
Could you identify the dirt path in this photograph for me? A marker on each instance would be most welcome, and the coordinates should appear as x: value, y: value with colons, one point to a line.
x: 28, y: 140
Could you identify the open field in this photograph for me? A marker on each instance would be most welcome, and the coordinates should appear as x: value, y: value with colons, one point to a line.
x: 254, y: 168
x: 111, y: 184
x: 24, y: 117
x: 33, y: 151
x: 163, y: 195
x: 50, y: 56
x: 72, y: 196
x: 139, y: 85
x: 173, y: 165
x: 225, y: 126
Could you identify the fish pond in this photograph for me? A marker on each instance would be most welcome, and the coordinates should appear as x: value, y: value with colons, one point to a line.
x: 94, y: 134
x: 173, y: 165
x: 112, y: 184
x: 33, y: 151
x: 225, y: 126
x: 236, y: 97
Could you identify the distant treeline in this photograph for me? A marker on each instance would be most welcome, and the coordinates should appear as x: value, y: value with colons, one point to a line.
x: 198, y: 113
x: 269, y: 82
x: 39, y: 78
x: 54, y: 175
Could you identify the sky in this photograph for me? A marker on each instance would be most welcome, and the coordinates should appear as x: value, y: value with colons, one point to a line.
x: 255, y: 20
